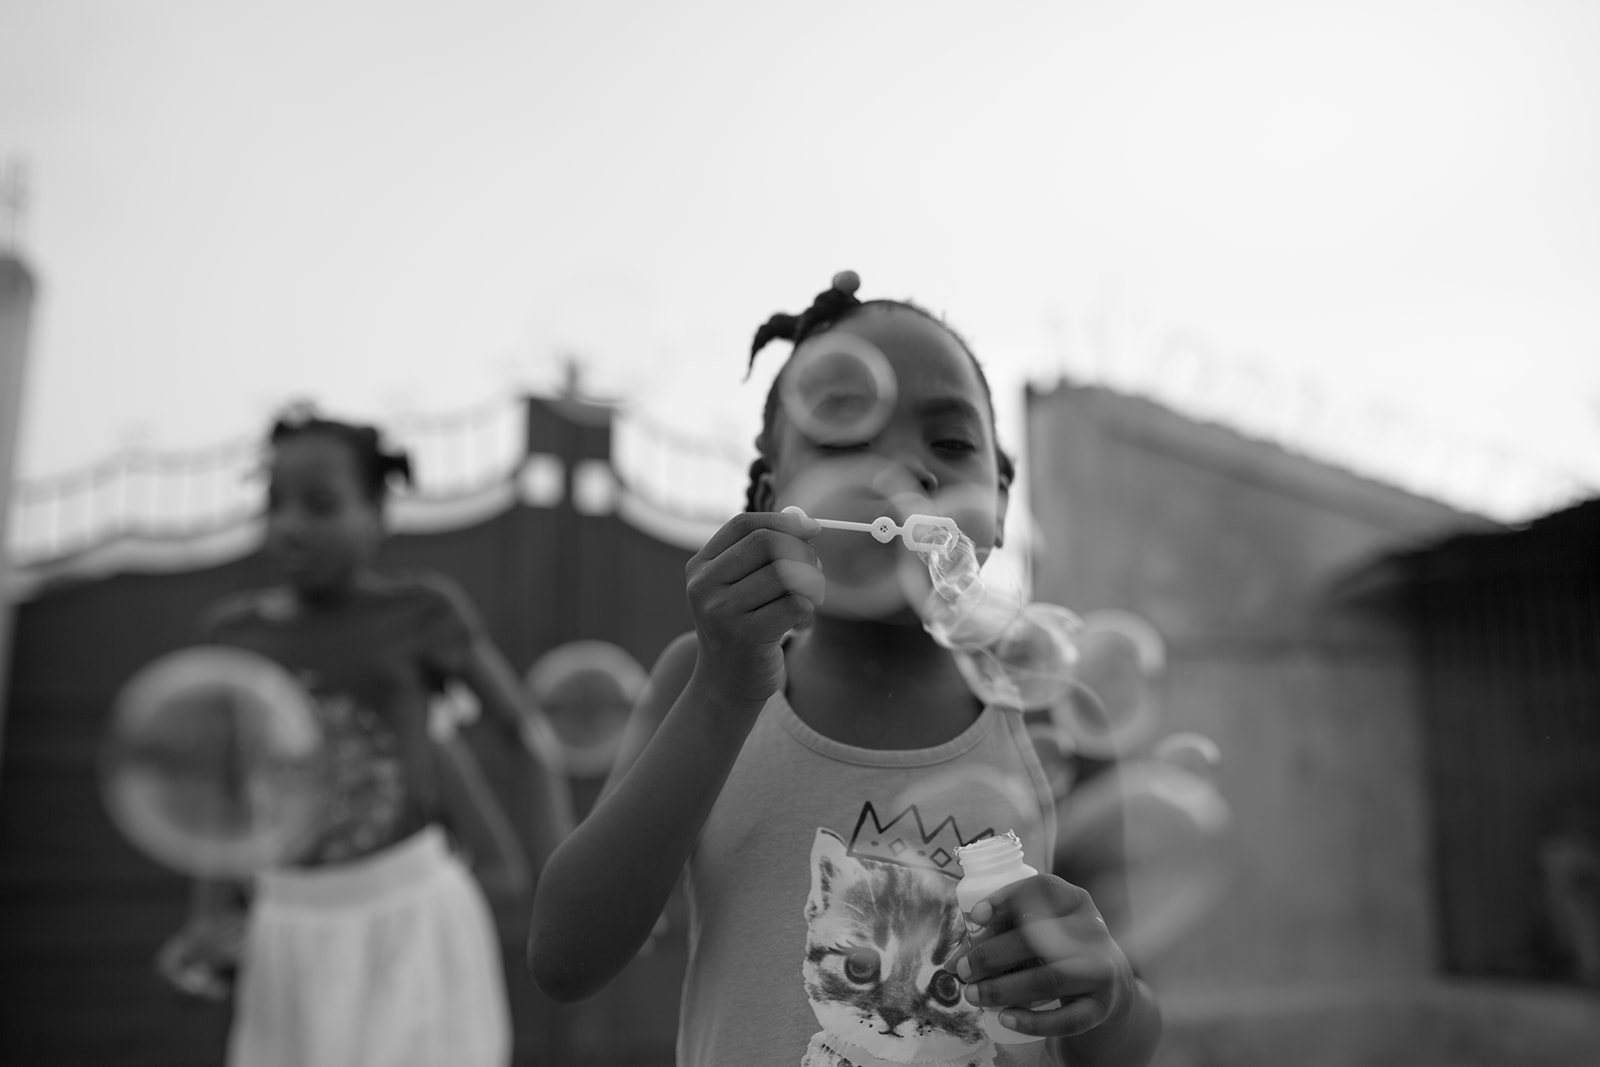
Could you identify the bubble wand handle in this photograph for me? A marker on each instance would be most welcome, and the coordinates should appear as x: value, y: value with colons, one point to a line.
x: 918, y: 532
x: 844, y: 524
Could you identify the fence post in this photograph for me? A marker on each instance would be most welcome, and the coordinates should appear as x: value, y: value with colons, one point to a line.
x: 16, y: 311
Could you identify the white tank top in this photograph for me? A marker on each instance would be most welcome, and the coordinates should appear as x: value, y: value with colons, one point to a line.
x: 822, y: 896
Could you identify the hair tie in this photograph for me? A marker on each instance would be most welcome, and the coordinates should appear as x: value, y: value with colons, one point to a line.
x: 847, y: 282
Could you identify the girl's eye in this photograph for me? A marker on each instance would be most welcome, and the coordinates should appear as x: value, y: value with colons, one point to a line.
x: 861, y: 966
x: 945, y: 988
x: 955, y: 444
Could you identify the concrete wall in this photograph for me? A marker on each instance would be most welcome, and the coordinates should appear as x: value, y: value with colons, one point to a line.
x: 1230, y: 548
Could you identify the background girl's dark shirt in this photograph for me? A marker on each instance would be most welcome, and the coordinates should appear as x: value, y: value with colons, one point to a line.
x: 372, y: 663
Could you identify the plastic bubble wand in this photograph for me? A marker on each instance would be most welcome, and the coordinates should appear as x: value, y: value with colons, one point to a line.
x: 918, y: 532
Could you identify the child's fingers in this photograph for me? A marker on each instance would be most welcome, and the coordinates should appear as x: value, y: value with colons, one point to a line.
x: 1041, y: 897
x: 781, y: 616
x: 1069, y: 1019
x: 748, y: 556
x: 779, y: 579
x: 993, y: 953
x: 742, y: 525
x: 1018, y: 935
x: 1033, y: 980
x: 775, y: 581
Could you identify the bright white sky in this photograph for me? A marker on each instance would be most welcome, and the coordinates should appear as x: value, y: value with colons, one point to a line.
x: 404, y: 206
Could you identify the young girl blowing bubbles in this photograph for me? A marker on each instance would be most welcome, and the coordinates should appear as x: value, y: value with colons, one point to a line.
x: 373, y: 944
x: 811, y: 765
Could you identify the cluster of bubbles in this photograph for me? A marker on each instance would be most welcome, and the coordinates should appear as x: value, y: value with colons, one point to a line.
x: 1145, y: 827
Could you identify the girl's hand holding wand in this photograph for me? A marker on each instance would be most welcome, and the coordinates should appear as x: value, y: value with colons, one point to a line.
x: 756, y: 579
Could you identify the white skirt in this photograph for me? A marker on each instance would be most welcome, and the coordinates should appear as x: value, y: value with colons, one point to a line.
x: 389, y: 961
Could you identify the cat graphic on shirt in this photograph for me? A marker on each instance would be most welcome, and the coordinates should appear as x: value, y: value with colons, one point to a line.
x: 878, y: 934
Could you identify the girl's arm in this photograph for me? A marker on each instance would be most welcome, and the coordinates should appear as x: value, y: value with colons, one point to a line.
x: 483, y: 829
x: 201, y: 957
x: 507, y: 707
x: 602, y: 891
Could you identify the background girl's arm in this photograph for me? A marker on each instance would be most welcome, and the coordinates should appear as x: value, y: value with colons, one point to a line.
x: 480, y: 825
x: 200, y: 958
x: 508, y: 709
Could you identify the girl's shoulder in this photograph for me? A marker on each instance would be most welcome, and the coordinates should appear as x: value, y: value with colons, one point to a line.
x: 678, y: 656
x: 668, y: 677
x: 251, y: 607
x: 431, y: 589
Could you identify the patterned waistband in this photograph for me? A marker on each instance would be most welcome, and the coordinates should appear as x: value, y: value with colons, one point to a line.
x: 402, y: 865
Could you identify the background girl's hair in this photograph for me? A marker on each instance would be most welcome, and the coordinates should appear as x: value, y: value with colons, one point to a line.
x: 376, y: 467
x: 832, y: 306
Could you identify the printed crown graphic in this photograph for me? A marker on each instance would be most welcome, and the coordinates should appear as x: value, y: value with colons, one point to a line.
x: 907, y: 839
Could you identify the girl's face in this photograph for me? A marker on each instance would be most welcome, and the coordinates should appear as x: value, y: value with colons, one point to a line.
x: 322, y: 527
x: 934, y: 452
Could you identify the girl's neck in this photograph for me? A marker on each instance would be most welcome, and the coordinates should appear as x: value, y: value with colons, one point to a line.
x: 877, y: 685
x: 856, y: 644
x: 331, y: 597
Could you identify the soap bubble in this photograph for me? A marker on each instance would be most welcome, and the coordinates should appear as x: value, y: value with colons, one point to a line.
x: 1163, y: 839
x: 1195, y: 753
x: 1039, y: 653
x: 1055, y: 751
x: 972, y: 623
x: 583, y: 693
x: 212, y: 762
x: 967, y: 609
x: 1111, y: 708
x: 1030, y: 665
x: 984, y: 677
x: 953, y: 566
x: 838, y: 389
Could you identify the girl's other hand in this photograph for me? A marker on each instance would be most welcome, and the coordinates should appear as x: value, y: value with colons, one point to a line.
x: 202, y: 958
x: 753, y: 582
x: 1043, y: 939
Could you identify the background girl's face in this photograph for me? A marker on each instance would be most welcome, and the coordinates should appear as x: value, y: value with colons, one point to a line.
x: 934, y: 450
x: 322, y: 527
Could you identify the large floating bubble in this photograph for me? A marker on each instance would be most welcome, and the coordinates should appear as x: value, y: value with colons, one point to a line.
x: 1094, y: 674
x: 838, y: 389
x: 1195, y: 753
x: 1111, y: 708
x: 212, y: 764
x: 972, y: 622
x: 1055, y: 754
x: 1160, y: 839
x: 1031, y: 663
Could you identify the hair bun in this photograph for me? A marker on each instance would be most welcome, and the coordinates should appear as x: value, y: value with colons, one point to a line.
x: 847, y: 281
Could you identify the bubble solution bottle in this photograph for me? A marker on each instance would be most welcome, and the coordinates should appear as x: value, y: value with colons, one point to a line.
x: 987, y: 866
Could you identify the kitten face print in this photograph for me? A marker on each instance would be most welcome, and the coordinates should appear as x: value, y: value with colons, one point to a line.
x: 878, y: 934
